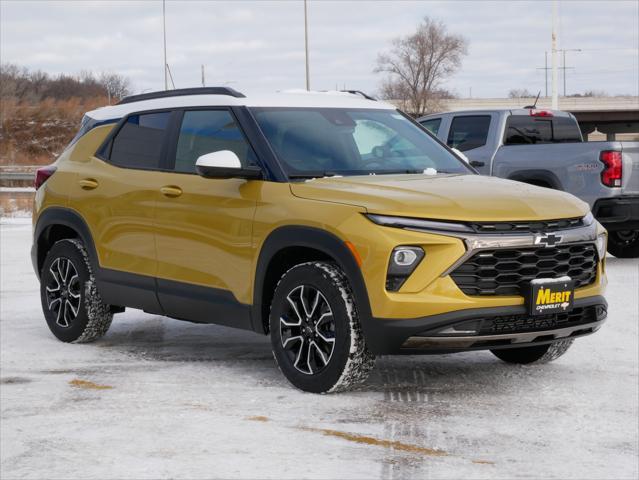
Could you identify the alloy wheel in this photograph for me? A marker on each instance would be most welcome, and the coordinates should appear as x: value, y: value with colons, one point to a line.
x: 63, y: 291
x: 307, y: 329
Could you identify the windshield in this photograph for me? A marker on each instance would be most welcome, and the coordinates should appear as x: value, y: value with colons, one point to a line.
x: 312, y: 142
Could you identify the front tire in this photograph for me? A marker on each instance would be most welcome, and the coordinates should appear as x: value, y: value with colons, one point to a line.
x: 316, y: 336
x: 624, y: 243
x: 71, y: 303
x: 535, y: 354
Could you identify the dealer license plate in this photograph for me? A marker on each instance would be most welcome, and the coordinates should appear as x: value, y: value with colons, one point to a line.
x: 551, y: 295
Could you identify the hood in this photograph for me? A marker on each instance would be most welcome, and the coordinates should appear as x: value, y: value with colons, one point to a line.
x: 444, y: 197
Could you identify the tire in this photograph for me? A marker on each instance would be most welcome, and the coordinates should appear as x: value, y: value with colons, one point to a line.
x: 71, y: 303
x: 624, y: 243
x: 536, y: 354
x: 320, y: 349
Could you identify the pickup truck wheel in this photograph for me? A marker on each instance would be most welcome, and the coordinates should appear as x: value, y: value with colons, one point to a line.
x: 624, y: 243
x: 71, y: 303
x: 536, y: 354
x: 315, y: 331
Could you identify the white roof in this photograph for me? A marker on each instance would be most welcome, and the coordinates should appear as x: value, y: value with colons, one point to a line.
x: 296, y: 98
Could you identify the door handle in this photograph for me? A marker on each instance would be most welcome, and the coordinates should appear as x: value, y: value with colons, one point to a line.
x: 477, y: 163
x: 171, y: 191
x: 88, y: 183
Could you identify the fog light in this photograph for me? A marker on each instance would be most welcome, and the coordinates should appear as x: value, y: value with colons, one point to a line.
x: 602, y: 243
x: 404, y: 257
x: 402, y: 263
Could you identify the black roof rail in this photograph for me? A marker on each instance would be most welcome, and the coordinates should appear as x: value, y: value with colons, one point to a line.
x: 181, y: 92
x: 359, y: 92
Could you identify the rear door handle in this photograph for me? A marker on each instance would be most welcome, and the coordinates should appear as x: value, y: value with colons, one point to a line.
x: 171, y: 191
x: 88, y: 183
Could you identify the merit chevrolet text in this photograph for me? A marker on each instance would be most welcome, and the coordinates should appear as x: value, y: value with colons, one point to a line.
x: 332, y: 222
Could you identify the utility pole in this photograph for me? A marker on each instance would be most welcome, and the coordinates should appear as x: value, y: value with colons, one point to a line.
x: 203, y: 81
x: 564, y: 67
x: 545, y: 69
x: 308, y: 81
x: 166, y: 79
x: 555, y: 93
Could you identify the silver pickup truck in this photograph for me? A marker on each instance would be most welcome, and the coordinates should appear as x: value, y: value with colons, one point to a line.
x: 546, y: 148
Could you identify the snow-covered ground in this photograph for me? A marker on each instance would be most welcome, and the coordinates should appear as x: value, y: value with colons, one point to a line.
x: 158, y: 398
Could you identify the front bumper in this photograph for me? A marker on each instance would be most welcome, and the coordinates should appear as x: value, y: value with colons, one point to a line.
x: 423, y: 335
x: 618, y: 213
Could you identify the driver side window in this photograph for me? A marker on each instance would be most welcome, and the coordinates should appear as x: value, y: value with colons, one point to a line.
x: 206, y: 131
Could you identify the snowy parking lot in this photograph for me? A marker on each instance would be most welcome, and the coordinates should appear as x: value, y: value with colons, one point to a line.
x: 158, y: 398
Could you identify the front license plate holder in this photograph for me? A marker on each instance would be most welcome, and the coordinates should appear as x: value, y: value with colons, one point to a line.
x: 549, y: 296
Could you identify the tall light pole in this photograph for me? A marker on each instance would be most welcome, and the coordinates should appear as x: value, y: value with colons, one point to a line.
x: 308, y: 81
x: 166, y: 79
x: 555, y: 93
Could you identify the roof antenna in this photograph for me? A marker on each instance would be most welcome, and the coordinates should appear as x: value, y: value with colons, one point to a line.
x: 534, y: 105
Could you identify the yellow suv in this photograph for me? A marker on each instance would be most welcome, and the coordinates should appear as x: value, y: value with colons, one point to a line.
x: 333, y: 222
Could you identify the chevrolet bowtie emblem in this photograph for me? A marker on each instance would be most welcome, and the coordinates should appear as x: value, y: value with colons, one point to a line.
x: 547, y: 240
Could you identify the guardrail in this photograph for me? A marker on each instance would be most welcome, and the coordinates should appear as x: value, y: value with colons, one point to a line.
x: 18, y: 176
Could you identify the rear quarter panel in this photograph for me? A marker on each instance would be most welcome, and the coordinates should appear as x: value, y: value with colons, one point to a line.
x: 573, y: 167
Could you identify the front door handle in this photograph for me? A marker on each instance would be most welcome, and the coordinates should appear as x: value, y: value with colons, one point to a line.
x: 88, y: 183
x: 477, y: 163
x: 171, y: 191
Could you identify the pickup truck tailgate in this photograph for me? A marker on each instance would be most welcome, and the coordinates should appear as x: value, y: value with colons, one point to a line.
x: 630, y: 179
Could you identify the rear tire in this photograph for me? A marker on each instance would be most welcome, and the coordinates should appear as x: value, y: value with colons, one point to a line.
x: 316, y: 336
x: 71, y: 303
x: 536, y: 354
x: 624, y: 243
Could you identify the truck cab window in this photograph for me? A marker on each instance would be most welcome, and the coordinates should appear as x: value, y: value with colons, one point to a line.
x: 468, y: 132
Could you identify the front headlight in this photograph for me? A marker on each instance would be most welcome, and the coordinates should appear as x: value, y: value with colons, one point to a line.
x: 602, y: 244
x: 588, y: 219
x: 418, y: 223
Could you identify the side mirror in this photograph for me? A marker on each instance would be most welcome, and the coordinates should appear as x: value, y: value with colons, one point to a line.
x: 224, y: 164
x: 461, y: 155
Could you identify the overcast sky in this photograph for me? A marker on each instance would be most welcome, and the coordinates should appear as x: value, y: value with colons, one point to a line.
x: 259, y: 45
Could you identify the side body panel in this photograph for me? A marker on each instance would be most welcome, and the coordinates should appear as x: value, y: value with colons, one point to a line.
x: 203, y: 238
x: 572, y: 167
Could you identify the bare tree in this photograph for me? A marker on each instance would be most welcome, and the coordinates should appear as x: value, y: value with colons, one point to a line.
x: 418, y: 64
x: 117, y: 86
x: 520, y: 93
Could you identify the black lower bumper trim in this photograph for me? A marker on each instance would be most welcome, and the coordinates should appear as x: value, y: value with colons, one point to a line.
x: 386, y: 336
x: 619, y: 213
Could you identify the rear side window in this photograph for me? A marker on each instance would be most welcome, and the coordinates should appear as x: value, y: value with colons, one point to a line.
x: 468, y: 132
x: 432, y: 125
x: 138, y: 144
x: 527, y: 130
x: 208, y: 131
x: 565, y: 129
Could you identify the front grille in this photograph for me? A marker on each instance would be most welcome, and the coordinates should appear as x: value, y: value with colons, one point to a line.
x: 525, y: 323
x: 527, y: 227
x: 509, y: 271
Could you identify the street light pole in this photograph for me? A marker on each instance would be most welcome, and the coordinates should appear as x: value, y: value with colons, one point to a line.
x: 308, y: 81
x: 166, y: 79
x: 555, y: 93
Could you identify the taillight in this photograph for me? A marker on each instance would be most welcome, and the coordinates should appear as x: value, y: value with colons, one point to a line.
x: 541, y: 113
x: 613, y: 169
x: 42, y: 175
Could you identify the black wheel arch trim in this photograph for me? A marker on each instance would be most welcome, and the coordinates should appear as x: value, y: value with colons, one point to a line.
x: 317, y: 239
x: 69, y: 218
x: 537, y: 175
